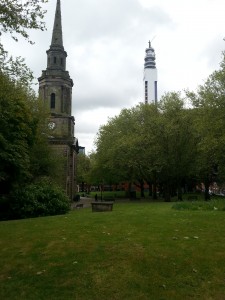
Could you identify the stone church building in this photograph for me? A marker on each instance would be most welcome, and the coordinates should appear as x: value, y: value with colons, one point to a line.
x: 55, y: 88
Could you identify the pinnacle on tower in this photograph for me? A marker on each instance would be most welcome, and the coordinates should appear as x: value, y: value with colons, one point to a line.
x: 57, y: 39
x: 56, y: 53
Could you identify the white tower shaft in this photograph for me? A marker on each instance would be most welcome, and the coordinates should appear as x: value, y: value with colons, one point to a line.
x: 150, y: 76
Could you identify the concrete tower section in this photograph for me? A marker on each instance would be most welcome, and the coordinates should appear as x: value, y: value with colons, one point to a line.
x: 55, y: 88
x: 150, y: 76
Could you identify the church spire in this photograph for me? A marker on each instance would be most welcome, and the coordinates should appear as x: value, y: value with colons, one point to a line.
x: 57, y: 38
x: 56, y: 54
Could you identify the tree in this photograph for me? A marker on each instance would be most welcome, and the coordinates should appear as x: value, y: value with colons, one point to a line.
x: 43, y: 160
x: 25, y: 154
x: 17, y: 133
x: 26, y: 158
x: 209, y: 110
x: 16, y: 18
x: 168, y: 145
x: 177, y: 140
x: 83, y: 170
x: 118, y: 148
x: 147, y: 138
x: 148, y: 143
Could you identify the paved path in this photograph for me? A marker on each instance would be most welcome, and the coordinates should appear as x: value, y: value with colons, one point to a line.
x: 83, y: 200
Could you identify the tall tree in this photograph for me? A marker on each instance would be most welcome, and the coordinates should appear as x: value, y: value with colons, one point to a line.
x: 25, y: 154
x: 149, y: 144
x: 118, y: 148
x: 17, y: 133
x: 177, y: 140
x: 209, y: 107
x: 16, y: 18
x: 83, y: 170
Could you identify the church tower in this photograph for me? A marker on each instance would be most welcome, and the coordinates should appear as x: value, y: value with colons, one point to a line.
x: 55, y: 88
x: 150, y: 76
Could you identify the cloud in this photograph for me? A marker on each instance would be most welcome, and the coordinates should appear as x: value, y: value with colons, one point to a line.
x: 110, y: 19
x: 106, y: 40
x: 88, y: 123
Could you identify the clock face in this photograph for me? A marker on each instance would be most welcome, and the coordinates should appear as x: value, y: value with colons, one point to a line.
x: 51, y: 125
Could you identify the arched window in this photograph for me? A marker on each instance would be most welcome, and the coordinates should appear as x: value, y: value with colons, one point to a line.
x: 61, y: 61
x: 52, y: 104
x: 54, y: 60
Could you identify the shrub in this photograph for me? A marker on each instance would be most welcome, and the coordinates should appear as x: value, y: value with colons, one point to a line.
x: 215, y: 204
x: 36, y: 200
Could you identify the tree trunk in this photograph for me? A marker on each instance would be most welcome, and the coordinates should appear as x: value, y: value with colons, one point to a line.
x: 142, y: 188
x: 129, y: 190
x: 179, y: 192
x: 167, y: 192
x: 149, y: 189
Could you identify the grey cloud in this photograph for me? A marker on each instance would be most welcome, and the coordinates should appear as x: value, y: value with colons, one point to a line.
x: 114, y: 18
x: 105, y: 41
x: 215, y: 46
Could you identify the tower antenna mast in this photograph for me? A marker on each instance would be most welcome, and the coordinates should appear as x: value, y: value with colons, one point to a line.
x: 153, y: 38
x: 150, y: 41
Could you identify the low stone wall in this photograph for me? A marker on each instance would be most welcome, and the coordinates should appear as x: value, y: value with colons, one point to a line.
x: 102, y: 206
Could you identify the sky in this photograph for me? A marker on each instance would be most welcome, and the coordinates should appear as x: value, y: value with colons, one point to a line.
x: 106, y: 40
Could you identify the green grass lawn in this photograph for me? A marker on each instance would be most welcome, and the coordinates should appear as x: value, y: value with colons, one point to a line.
x: 138, y: 251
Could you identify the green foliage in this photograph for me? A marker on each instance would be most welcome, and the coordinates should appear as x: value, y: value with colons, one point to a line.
x: 83, y: 168
x: 16, y: 68
x: 17, y: 132
x: 213, y: 204
x: 169, y: 145
x: 16, y: 18
x: 119, y: 144
x: 208, y: 116
x: 25, y: 155
x: 19, y: 120
x: 146, y: 142
x: 37, y: 200
x: 44, y: 161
